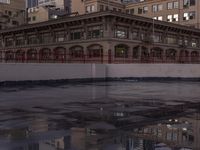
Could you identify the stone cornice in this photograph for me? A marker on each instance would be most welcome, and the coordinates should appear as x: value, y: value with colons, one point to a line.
x: 112, y: 14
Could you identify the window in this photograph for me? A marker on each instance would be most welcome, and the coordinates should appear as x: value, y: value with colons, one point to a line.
x: 160, y: 7
x: 32, y: 39
x: 154, y: 8
x: 5, y: 1
x: 136, y: 51
x: 175, y: 17
x: 186, y: 16
x: 76, y: 34
x: 101, y: 7
x: 95, y: 32
x: 145, y: 9
x: 169, y: 6
x: 15, y: 22
x: 169, y: 18
x: 132, y: 11
x: 135, y: 34
x: 59, y: 36
x: 187, y: 3
x: 171, y: 40
x: 34, y: 18
x: 121, y: 51
x: 192, y: 15
x: 160, y: 18
x: 20, y: 41
x: 140, y: 10
x: 176, y: 5
x: 121, y: 32
x: 155, y: 18
x: 90, y: 8
x: 192, y: 2
x: 45, y: 38
x: 9, y: 42
x: 189, y: 15
x: 157, y: 38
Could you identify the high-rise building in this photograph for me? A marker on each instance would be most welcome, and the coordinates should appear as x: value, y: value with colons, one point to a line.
x: 12, y: 13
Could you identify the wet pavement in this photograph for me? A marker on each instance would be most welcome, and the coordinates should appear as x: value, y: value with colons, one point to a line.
x: 122, y: 115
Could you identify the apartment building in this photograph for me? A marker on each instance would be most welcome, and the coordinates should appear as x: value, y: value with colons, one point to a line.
x: 184, y: 12
x: 47, y: 10
x: 12, y: 13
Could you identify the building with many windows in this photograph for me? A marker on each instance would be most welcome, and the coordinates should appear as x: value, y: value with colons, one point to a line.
x: 184, y: 12
x: 12, y: 13
x: 101, y: 37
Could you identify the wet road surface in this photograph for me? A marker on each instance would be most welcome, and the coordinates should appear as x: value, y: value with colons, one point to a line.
x: 126, y: 115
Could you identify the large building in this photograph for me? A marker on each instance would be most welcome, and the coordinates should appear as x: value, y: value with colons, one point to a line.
x: 184, y: 12
x: 101, y: 37
x: 12, y: 13
x: 46, y: 10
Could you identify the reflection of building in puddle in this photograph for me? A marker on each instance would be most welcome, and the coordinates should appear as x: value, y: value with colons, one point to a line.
x: 181, y: 132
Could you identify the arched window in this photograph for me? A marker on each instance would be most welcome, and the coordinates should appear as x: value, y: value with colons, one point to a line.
x: 20, y: 55
x: 121, y: 51
x: 194, y: 56
x: 156, y: 53
x: 184, y: 56
x: 95, y: 50
x: 45, y: 54
x: 76, y: 52
x: 144, y: 53
x: 136, y: 52
x: 32, y: 54
x: 9, y: 56
x: 171, y: 54
x: 59, y: 53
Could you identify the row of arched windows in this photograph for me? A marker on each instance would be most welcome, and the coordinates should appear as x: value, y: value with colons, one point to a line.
x: 121, y: 51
